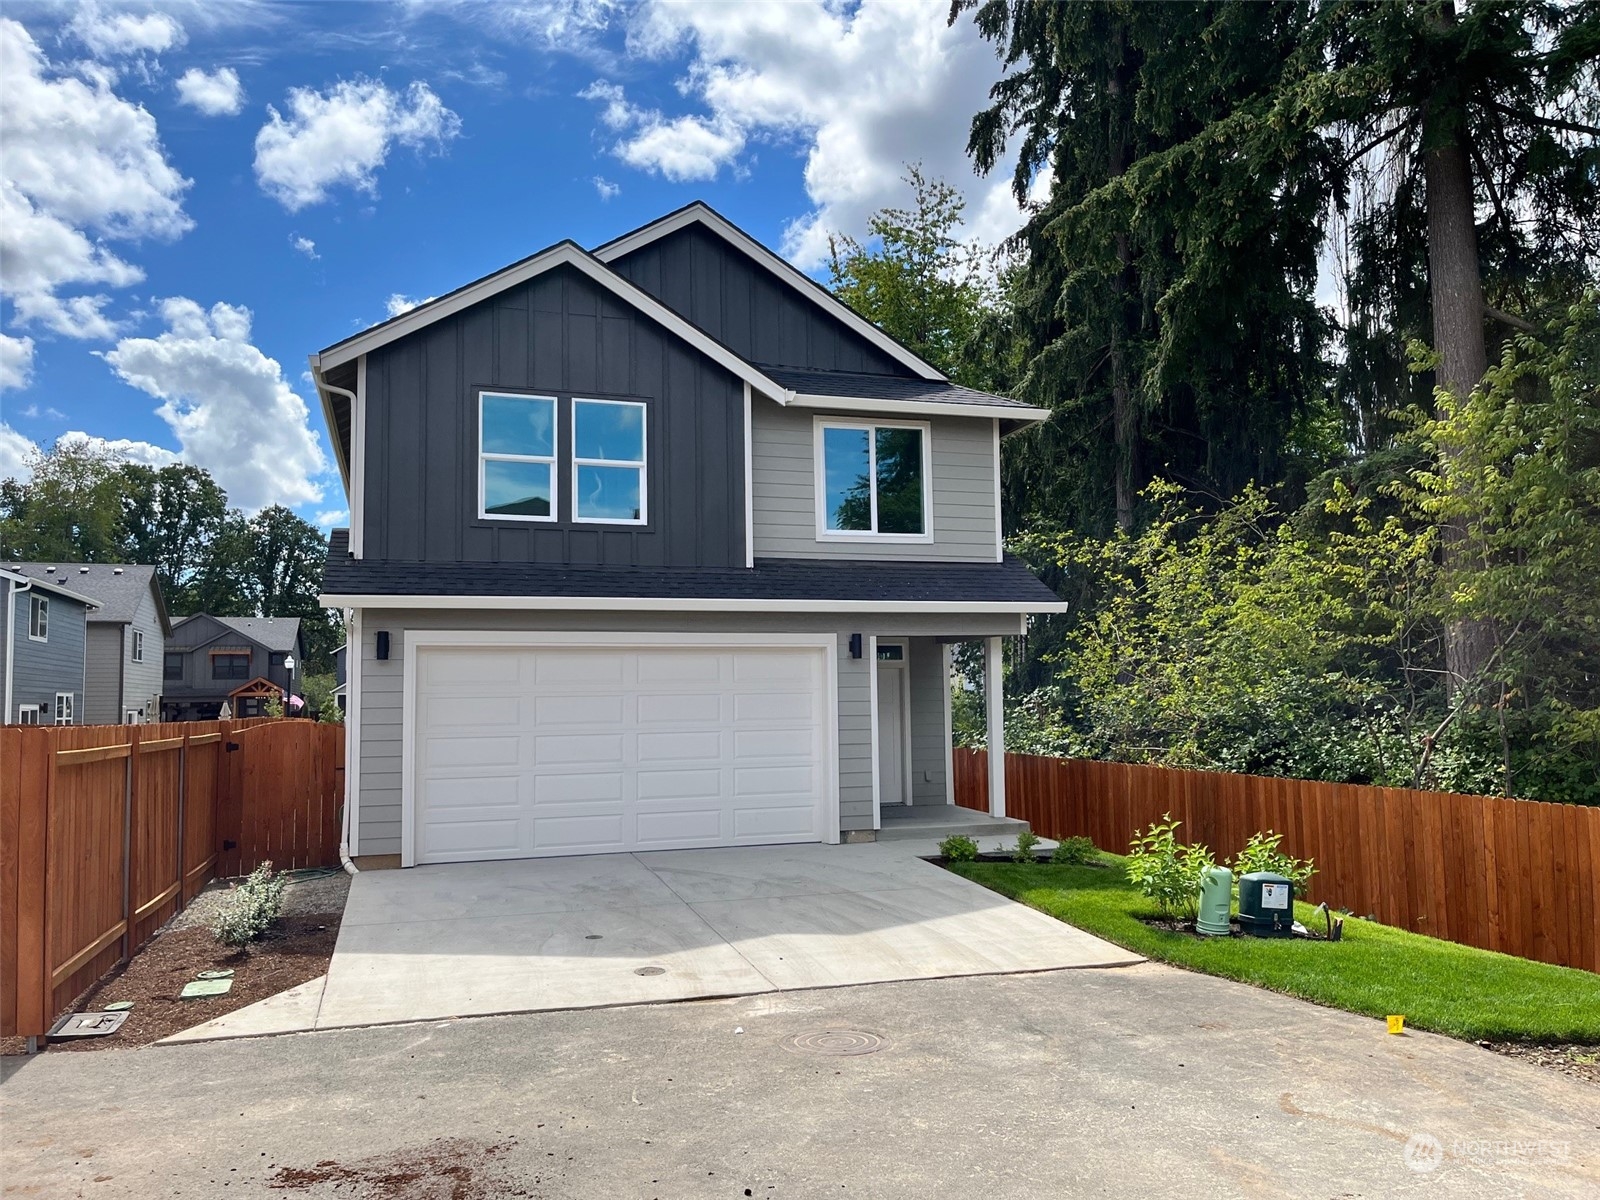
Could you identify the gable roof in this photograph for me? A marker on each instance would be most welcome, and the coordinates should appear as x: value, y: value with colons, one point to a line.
x: 117, y: 587
x: 275, y: 633
x: 698, y: 212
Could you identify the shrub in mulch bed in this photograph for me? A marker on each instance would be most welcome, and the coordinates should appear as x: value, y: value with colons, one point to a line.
x: 295, y: 950
x: 1185, y: 926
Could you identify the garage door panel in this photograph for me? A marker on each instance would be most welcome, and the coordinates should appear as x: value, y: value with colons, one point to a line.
x: 614, y: 750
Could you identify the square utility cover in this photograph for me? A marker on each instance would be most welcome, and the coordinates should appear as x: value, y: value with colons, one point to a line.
x: 87, y: 1025
x: 206, y: 987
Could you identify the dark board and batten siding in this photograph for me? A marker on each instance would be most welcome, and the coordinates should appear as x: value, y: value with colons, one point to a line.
x: 760, y: 318
x: 560, y: 334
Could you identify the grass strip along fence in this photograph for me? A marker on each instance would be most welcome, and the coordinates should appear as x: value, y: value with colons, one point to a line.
x: 1518, y: 876
x: 107, y: 831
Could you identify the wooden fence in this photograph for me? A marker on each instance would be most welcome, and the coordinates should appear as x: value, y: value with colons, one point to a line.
x: 1516, y: 876
x: 107, y: 831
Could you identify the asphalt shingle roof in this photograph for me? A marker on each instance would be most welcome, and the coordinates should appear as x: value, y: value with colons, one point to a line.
x: 1008, y: 582
x: 275, y: 633
x: 882, y: 387
x: 117, y: 586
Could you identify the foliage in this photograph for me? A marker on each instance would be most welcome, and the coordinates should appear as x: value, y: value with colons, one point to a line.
x: 958, y: 848
x: 1027, y: 845
x: 320, y: 700
x: 272, y: 706
x: 251, y: 907
x: 1262, y: 853
x: 1375, y: 970
x: 1166, y: 870
x: 1074, y: 852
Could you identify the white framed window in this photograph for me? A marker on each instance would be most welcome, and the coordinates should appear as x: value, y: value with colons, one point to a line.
x: 516, y: 457
x: 138, y: 645
x: 873, y: 480
x: 609, y: 480
x: 63, y: 708
x: 27, y: 714
x: 39, y: 618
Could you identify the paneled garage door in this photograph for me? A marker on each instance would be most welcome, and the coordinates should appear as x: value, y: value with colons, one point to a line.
x: 524, y: 752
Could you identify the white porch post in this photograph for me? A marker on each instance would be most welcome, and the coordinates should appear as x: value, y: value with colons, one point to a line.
x: 994, y: 704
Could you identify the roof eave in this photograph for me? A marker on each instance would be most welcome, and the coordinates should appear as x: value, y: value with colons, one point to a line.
x: 680, y: 604
x: 1007, y: 412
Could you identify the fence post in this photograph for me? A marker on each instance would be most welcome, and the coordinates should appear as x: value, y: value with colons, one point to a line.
x: 223, y: 823
x: 183, y: 817
x: 130, y: 797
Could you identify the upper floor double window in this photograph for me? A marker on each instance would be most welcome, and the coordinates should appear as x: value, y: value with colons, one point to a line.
x: 872, y: 480
x: 518, y: 477
x: 230, y: 666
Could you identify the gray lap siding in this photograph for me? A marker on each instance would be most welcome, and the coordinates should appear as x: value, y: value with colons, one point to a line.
x: 381, y: 689
x: 41, y: 669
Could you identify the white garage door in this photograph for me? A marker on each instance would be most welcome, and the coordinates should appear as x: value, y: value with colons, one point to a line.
x: 523, y: 752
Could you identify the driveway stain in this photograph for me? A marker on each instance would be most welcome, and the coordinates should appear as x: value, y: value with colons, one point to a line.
x: 444, y: 1169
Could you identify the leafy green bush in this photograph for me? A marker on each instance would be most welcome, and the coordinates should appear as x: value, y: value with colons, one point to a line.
x: 1074, y: 852
x: 958, y: 848
x: 1166, y: 870
x: 1261, y: 853
x: 1027, y: 844
x: 250, y: 908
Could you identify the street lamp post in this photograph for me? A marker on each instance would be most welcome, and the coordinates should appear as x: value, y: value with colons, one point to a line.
x: 288, y: 688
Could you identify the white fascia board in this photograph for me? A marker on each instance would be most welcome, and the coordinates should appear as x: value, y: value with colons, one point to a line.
x: 927, y: 408
x: 785, y: 271
x: 565, y: 254
x: 659, y: 604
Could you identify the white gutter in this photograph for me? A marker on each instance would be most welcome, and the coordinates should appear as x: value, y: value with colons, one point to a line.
x: 721, y: 604
x: 11, y: 633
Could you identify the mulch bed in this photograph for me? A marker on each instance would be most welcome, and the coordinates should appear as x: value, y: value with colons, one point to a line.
x: 1187, y: 927
x: 294, y: 951
x: 1569, y: 1058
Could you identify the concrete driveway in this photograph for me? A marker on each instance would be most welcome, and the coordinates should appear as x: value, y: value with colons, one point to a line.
x: 616, y: 929
x: 1142, y: 1081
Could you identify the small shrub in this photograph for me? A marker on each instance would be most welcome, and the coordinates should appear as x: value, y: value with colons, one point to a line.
x: 1073, y: 852
x: 250, y: 908
x: 272, y: 706
x: 1261, y: 853
x: 958, y: 848
x: 1166, y: 870
x: 1027, y: 843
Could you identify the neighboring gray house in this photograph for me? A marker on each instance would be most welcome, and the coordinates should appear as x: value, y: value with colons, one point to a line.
x: 654, y: 547
x: 340, y: 678
x: 42, y: 652
x: 127, y: 634
x: 239, y: 661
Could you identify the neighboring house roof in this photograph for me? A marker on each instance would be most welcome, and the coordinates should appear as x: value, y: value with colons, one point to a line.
x: 275, y: 633
x: 44, y: 585
x: 117, y: 587
x: 893, y: 393
x: 791, y: 583
x: 698, y: 212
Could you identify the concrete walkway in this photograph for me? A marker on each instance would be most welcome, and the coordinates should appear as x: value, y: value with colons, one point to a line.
x: 1139, y: 1082
x: 616, y: 929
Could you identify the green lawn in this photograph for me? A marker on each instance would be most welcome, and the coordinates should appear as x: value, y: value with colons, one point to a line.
x: 1375, y: 970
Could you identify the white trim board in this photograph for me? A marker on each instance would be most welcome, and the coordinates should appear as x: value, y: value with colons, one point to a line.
x: 568, y: 254
x: 658, y: 604
x: 825, y: 644
x: 911, y: 408
x: 700, y: 213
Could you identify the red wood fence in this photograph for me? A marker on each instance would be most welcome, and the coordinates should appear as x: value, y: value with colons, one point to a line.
x: 1516, y: 876
x: 107, y: 831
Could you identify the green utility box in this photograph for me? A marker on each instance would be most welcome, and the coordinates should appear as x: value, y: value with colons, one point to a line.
x: 1266, y: 905
x: 1216, y: 895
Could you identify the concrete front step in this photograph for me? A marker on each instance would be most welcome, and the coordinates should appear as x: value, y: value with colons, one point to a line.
x: 942, y: 820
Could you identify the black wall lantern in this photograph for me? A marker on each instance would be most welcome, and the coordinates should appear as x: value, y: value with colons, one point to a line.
x: 383, y: 645
x: 855, y: 645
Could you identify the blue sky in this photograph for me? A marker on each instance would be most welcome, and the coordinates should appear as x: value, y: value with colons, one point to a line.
x: 196, y: 196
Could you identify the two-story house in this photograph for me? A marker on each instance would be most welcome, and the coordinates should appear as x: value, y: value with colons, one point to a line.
x: 126, y: 637
x: 652, y: 547
x: 240, y: 662
x: 42, y: 652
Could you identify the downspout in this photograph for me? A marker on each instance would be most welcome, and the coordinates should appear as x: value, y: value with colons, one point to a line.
x: 12, y: 592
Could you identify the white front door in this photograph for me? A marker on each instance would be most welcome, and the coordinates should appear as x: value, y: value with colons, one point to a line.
x: 529, y: 751
x: 892, y: 734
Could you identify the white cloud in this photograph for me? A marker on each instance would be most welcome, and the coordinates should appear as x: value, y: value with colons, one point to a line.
x: 227, y: 403
x: 571, y: 26
x: 82, y: 166
x: 397, y: 304
x: 16, y: 454
x: 125, y: 34
x: 16, y: 361
x: 216, y: 94
x: 304, y: 245
x: 334, y: 516
x: 605, y: 189
x: 861, y: 91
x: 145, y: 453
x: 342, y: 136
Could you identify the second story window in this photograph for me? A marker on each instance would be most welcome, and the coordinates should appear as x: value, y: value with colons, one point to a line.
x: 516, y: 457
x: 138, y: 645
x: 230, y: 666
x: 172, y: 666
x: 872, y: 480
x: 39, y: 618
x: 608, y: 463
